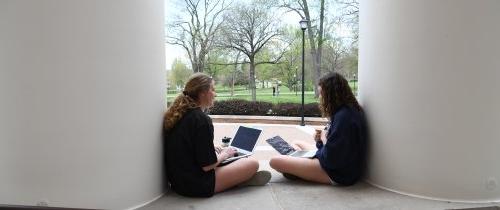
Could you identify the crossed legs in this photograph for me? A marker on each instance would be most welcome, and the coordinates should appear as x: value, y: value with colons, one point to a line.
x: 245, y: 168
x: 305, y: 168
x: 235, y: 173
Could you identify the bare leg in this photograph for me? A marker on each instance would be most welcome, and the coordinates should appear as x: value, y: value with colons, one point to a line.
x: 235, y: 173
x: 305, y: 168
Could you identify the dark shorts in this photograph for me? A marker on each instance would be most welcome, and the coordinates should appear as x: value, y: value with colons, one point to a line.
x: 195, y: 187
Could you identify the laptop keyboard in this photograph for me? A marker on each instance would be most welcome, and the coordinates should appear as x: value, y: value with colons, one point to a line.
x: 235, y: 154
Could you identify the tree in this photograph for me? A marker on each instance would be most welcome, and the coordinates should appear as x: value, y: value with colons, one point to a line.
x: 248, y: 29
x: 233, y: 69
x: 345, y: 49
x: 350, y: 16
x: 290, y: 63
x: 351, y: 63
x: 334, y: 55
x: 179, y: 73
x: 195, y: 29
x: 266, y: 72
x: 213, y: 58
x: 315, y: 34
x: 288, y: 69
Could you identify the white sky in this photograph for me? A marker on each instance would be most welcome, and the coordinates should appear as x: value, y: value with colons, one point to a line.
x: 172, y: 52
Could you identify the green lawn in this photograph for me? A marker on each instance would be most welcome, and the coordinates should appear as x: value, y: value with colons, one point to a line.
x: 264, y: 94
x: 268, y: 97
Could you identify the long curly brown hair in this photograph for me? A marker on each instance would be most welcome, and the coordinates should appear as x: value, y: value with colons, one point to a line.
x: 335, y: 92
x: 187, y: 100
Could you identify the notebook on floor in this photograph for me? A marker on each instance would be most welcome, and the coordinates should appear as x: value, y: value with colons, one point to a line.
x: 280, y: 145
x: 244, y: 142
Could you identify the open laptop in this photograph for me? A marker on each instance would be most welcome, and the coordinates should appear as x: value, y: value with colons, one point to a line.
x: 244, y: 142
x: 284, y: 148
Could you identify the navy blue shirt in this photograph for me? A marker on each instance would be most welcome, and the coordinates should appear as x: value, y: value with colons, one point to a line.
x: 343, y: 155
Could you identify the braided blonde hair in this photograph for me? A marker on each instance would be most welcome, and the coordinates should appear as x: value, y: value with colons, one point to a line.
x: 187, y: 100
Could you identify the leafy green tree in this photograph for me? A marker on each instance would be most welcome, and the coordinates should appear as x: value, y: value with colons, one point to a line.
x: 288, y: 69
x: 334, y: 53
x: 216, y: 57
x: 248, y: 29
x: 351, y: 63
x: 315, y: 31
x: 266, y: 72
x: 179, y: 73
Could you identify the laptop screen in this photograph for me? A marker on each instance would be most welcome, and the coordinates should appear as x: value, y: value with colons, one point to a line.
x: 246, y: 138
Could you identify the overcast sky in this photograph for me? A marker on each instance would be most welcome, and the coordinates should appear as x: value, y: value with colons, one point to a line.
x: 172, y: 52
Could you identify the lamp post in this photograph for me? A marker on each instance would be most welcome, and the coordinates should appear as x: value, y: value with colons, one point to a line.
x: 303, y: 26
x: 355, y: 90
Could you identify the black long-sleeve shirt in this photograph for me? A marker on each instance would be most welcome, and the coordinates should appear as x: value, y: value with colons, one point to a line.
x: 343, y: 155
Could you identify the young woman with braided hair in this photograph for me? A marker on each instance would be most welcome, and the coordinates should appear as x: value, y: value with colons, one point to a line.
x: 341, y: 159
x: 191, y: 158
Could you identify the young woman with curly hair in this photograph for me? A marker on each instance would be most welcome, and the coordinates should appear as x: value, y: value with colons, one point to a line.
x: 339, y: 161
x: 191, y: 158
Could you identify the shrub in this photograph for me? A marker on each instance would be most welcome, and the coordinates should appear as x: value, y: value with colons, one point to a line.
x: 240, y: 107
x: 312, y: 110
x: 293, y: 109
x: 287, y: 109
x: 243, y: 107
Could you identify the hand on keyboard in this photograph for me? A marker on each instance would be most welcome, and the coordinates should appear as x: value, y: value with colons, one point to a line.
x: 227, y: 152
x: 218, y: 149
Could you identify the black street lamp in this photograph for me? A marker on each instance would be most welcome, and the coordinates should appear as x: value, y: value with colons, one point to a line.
x: 355, y: 90
x: 303, y: 26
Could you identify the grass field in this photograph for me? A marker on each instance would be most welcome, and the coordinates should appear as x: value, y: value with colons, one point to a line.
x: 263, y: 94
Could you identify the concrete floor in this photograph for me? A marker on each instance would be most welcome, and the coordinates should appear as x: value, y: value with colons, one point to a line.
x: 281, y: 193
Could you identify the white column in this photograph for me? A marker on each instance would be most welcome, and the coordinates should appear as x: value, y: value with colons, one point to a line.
x: 429, y: 80
x: 81, y: 102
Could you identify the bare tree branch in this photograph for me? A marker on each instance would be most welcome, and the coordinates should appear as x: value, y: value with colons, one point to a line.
x: 196, y: 30
x: 248, y: 29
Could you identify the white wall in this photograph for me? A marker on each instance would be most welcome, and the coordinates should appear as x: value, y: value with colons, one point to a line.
x: 81, y: 102
x: 429, y: 76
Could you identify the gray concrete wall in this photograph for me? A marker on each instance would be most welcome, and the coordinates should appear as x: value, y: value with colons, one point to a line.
x: 82, y: 89
x: 428, y: 78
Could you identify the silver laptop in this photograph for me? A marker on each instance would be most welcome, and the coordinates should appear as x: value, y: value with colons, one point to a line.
x: 284, y: 148
x: 244, y: 142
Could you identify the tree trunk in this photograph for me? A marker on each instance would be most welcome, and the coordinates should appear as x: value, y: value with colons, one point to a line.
x: 252, y: 79
x: 232, y: 84
x: 201, y: 63
x: 320, y: 48
x: 315, y: 53
x: 234, y: 72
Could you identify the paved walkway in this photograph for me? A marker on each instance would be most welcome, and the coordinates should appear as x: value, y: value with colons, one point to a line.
x: 281, y: 193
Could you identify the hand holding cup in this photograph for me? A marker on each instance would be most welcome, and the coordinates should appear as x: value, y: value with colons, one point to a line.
x: 317, y: 135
